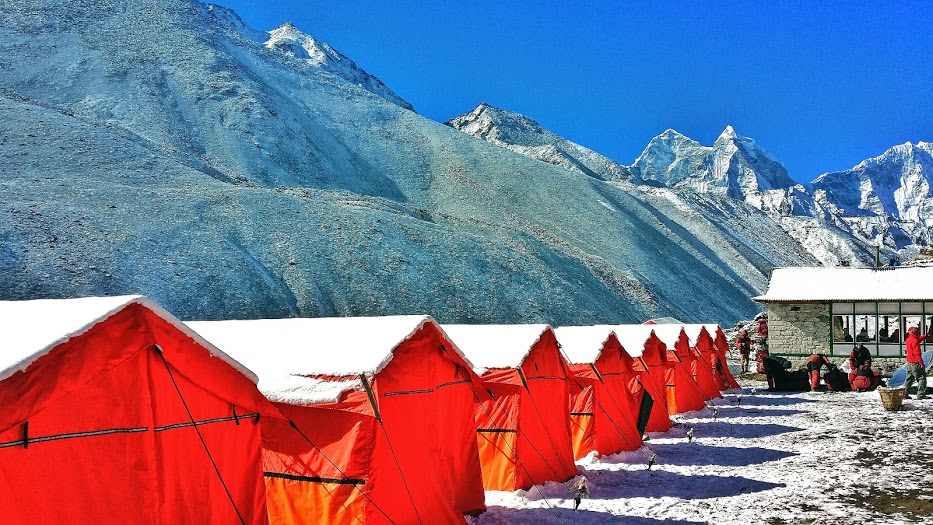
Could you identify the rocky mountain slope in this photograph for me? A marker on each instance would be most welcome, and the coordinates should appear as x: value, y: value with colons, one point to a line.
x: 162, y: 147
x: 841, y: 216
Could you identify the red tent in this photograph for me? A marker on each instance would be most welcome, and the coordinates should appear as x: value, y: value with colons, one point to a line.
x: 114, y: 412
x: 684, y: 393
x: 380, y: 418
x: 703, y: 347
x: 524, y: 432
x: 718, y: 360
x: 603, y: 410
x: 650, y: 368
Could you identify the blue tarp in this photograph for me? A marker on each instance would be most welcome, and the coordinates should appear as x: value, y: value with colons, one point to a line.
x: 901, y: 374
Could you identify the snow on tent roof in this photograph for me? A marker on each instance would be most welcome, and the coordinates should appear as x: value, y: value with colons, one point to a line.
x: 279, y: 350
x: 693, y: 331
x: 663, y: 320
x: 634, y: 336
x: 669, y: 333
x: 802, y: 285
x: 495, y: 346
x: 32, y: 329
x: 333, y: 346
x: 583, y: 344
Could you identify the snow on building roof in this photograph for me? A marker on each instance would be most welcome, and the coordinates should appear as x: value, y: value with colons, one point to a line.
x: 634, y: 336
x: 495, y: 346
x: 32, y: 329
x: 808, y: 285
x: 583, y: 344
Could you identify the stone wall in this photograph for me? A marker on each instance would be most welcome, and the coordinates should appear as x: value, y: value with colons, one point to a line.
x: 804, y: 329
x: 798, y: 328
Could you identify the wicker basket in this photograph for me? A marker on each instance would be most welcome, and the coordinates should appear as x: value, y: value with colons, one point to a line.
x: 892, y: 397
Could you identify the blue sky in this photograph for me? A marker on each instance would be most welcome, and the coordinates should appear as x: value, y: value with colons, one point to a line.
x: 821, y: 86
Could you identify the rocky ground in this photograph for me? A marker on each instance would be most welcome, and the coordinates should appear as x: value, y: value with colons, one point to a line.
x: 763, y: 457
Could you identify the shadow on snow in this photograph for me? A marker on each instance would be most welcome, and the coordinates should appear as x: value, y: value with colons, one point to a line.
x: 554, y: 516
x: 739, y: 430
x: 698, y: 454
x: 616, y: 484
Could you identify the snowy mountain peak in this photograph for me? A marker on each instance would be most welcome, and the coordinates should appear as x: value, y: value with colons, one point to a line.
x: 734, y: 165
x: 289, y: 40
x: 728, y: 134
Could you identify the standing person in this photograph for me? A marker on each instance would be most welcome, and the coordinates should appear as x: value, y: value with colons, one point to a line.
x: 915, y: 369
x: 744, y: 345
x: 814, y: 363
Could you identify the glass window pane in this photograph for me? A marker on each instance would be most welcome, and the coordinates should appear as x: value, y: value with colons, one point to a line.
x: 843, y: 308
x: 867, y: 328
x: 887, y: 324
x: 843, y: 349
x: 928, y: 308
x: 911, y: 308
x: 888, y: 308
x: 889, y: 349
x: 865, y: 308
x: 907, y: 322
x: 843, y: 325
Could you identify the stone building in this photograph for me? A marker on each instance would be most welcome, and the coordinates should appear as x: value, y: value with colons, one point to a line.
x: 829, y: 310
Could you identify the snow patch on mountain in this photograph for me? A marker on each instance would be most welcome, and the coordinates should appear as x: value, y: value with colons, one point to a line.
x: 523, y: 135
x: 734, y: 165
x: 883, y: 203
x: 287, y: 39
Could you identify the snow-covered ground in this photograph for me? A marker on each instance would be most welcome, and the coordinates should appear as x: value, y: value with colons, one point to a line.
x: 776, y: 458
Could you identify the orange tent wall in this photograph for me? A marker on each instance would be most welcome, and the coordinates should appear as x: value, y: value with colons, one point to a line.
x: 706, y: 375
x: 604, y: 411
x: 110, y: 440
x: 651, y: 374
x: 722, y: 348
x: 684, y: 393
x: 529, y: 420
x: 418, y: 465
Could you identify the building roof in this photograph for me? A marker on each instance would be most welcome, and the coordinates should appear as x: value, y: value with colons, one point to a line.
x: 583, y: 344
x: 495, y: 345
x: 816, y: 284
x: 32, y: 329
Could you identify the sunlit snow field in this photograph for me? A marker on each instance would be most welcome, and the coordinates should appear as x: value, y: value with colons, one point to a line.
x: 814, y: 458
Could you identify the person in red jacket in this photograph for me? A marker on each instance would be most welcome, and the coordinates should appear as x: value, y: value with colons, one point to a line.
x: 915, y: 368
x: 763, y: 327
x: 814, y: 363
x: 862, y: 377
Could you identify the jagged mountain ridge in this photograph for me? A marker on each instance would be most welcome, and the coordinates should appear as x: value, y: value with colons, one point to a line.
x: 839, y: 217
x: 229, y: 179
x: 525, y: 136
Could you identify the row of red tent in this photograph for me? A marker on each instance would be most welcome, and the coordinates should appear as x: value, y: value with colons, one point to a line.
x: 114, y: 411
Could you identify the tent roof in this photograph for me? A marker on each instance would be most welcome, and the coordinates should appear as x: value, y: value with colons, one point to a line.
x: 694, y: 330
x: 583, y: 344
x: 663, y: 320
x: 669, y: 333
x: 634, y: 336
x: 32, y: 329
x: 496, y: 345
x: 808, y: 285
x: 282, y: 350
